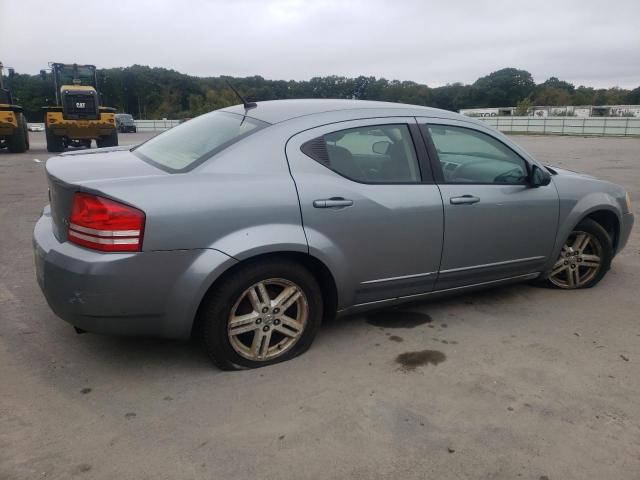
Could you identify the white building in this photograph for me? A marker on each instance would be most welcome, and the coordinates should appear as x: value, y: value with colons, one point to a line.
x: 582, y: 111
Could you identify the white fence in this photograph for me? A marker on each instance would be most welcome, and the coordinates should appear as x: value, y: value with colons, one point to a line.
x: 155, y: 125
x: 592, y: 126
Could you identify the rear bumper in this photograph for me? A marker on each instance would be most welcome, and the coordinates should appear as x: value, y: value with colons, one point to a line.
x: 148, y: 293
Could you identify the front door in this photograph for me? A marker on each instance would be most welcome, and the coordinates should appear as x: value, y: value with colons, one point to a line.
x: 369, y: 207
x: 496, y: 225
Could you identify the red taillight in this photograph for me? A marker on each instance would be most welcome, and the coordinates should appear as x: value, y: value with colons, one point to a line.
x: 102, y: 224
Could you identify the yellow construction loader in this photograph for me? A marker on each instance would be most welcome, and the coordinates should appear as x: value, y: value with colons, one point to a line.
x: 77, y: 117
x: 13, y: 125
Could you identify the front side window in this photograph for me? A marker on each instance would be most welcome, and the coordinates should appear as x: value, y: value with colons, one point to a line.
x: 188, y: 144
x: 371, y: 154
x: 470, y: 156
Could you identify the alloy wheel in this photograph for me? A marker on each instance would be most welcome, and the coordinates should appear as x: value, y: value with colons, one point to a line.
x: 579, y: 262
x: 268, y: 319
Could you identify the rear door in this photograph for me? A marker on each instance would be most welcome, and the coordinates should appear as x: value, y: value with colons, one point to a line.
x: 496, y: 225
x: 369, y: 206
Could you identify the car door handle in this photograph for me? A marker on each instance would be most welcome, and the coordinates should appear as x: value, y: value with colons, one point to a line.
x: 333, y: 202
x: 464, y: 200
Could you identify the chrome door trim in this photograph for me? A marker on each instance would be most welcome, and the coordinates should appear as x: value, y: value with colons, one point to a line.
x: 526, y: 276
x: 495, y: 264
x: 403, y: 277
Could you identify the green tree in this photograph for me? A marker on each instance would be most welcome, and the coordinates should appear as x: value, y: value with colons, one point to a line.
x: 504, y: 87
x: 523, y: 107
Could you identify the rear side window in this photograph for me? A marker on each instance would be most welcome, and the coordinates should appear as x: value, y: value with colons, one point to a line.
x: 371, y: 154
x: 191, y: 143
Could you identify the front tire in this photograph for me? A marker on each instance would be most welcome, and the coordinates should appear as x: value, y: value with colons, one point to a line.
x: 19, y: 141
x: 585, y: 257
x: 260, y: 314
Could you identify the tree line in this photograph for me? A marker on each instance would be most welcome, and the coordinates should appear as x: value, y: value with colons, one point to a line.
x: 151, y: 93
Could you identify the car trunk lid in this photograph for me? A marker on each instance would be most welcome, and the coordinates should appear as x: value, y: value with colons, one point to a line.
x: 74, y: 172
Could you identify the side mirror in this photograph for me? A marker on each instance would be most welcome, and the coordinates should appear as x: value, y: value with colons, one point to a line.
x: 539, y: 177
x: 381, y: 147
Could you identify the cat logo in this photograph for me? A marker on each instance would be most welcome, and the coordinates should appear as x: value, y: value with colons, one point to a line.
x: 80, y: 104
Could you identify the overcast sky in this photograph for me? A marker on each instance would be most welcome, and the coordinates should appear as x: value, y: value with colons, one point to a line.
x: 595, y: 43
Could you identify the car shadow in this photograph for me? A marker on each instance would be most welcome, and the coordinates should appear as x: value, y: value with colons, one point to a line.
x: 130, y: 354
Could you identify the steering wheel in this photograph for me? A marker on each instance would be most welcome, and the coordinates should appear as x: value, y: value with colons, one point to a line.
x: 512, y: 176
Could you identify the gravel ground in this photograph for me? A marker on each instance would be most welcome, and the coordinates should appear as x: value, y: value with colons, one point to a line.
x: 528, y: 383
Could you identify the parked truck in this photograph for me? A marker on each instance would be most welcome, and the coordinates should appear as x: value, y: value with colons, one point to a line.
x: 77, y: 117
x: 13, y: 124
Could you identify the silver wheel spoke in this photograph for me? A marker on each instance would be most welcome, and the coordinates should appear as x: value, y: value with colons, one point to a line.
x: 290, y: 301
x: 264, y: 347
x: 558, y: 269
x: 290, y: 325
x: 254, y: 299
x: 245, y: 329
x: 257, y: 342
x: 284, y: 296
x: 581, y: 242
x: 266, y: 300
x: 241, y: 320
x: 590, y: 261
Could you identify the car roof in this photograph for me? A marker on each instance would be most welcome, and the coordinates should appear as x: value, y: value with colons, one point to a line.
x: 276, y: 111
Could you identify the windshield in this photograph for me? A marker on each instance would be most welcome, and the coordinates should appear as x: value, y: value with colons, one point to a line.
x: 85, y: 74
x: 185, y: 146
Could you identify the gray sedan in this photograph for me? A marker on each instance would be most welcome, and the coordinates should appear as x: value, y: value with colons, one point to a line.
x: 249, y: 225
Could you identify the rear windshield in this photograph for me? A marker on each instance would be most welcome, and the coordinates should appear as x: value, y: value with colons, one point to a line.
x: 188, y: 144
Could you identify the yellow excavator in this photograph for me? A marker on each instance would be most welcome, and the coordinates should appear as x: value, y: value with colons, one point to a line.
x: 14, y: 134
x: 77, y: 117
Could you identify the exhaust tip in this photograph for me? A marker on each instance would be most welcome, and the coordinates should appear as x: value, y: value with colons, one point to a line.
x: 79, y: 330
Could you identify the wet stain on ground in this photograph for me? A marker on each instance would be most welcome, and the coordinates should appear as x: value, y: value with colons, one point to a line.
x: 395, y: 338
x: 130, y: 415
x: 412, y: 360
x: 397, y: 319
x: 82, y: 468
x: 85, y: 390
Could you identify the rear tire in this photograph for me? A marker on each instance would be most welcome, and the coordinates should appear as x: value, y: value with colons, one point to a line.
x: 585, y: 258
x: 19, y: 141
x: 266, y: 337
x: 108, y: 140
x: 55, y: 144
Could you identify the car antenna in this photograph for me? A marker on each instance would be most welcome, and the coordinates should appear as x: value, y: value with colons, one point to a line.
x: 247, y: 105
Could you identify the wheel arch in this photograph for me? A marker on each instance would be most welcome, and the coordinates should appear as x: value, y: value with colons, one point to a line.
x: 318, y: 269
x: 608, y: 220
x: 600, y: 208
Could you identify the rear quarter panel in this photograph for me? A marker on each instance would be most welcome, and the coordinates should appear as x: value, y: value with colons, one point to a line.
x: 242, y: 202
